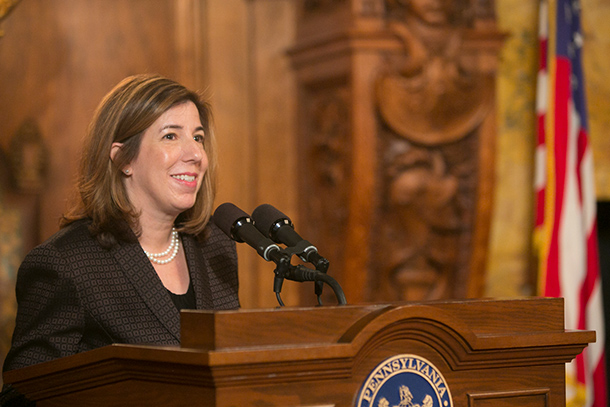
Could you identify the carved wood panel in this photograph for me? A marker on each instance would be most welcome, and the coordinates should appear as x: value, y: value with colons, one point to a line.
x: 327, y: 150
x: 431, y: 102
x: 430, y: 82
x: 425, y: 219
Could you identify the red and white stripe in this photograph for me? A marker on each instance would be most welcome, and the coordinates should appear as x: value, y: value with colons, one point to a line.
x: 541, y: 107
x: 565, y: 220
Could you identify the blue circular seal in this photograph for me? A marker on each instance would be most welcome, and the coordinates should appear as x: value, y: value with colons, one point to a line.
x: 405, y: 381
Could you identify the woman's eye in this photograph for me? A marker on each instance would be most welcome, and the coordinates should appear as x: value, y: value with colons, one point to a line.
x: 198, y: 138
x: 169, y: 136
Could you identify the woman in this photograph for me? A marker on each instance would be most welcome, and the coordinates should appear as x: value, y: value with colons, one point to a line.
x: 138, y: 245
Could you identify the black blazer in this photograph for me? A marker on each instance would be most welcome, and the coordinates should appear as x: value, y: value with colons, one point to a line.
x: 73, y: 295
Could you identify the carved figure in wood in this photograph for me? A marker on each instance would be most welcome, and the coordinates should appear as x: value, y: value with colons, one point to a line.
x: 28, y: 158
x: 328, y: 163
x: 430, y: 101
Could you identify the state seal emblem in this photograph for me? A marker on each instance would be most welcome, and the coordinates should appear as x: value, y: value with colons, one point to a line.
x: 405, y: 381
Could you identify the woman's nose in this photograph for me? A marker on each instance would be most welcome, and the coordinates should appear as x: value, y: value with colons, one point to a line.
x: 193, y: 150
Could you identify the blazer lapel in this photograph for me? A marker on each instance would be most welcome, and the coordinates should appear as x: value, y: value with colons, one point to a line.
x: 198, y: 270
x: 142, y: 275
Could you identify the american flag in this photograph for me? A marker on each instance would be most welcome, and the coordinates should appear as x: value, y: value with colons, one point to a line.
x: 566, y: 231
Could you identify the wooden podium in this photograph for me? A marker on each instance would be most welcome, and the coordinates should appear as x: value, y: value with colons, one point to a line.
x: 489, y: 352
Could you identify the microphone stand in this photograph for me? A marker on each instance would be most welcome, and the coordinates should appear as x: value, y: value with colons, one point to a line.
x: 309, y: 254
x: 285, y: 270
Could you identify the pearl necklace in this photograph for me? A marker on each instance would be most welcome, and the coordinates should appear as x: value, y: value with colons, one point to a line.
x: 174, y: 245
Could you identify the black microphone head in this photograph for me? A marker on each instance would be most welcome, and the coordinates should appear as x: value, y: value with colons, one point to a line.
x: 226, y: 216
x: 266, y: 219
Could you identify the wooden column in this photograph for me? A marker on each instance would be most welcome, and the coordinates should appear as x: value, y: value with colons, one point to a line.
x: 396, y: 130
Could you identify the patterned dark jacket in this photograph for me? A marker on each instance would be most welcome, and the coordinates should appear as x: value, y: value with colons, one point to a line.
x: 74, y: 296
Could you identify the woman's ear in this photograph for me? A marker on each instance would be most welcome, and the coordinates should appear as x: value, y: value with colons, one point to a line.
x: 114, y: 149
x: 113, y: 152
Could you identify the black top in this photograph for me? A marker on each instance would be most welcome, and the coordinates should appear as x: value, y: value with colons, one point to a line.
x: 186, y: 300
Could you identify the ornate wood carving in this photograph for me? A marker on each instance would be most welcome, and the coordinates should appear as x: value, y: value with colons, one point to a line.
x: 429, y: 95
x: 328, y: 166
x: 431, y: 101
x: 416, y: 166
x: 28, y: 158
x: 319, y: 5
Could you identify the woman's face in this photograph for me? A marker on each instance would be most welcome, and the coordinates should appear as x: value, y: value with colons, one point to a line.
x: 167, y: 173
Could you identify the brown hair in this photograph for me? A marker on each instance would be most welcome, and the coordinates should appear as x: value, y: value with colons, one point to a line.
x: 123, y: 116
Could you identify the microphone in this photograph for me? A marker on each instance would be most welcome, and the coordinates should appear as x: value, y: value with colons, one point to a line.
x: 274, y: 224
x: 236, y: 224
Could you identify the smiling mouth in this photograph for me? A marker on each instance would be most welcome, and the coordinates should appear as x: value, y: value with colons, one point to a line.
x: 187, y: 178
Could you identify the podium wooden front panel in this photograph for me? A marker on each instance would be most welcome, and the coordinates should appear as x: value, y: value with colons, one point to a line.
x: 491, y: 353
